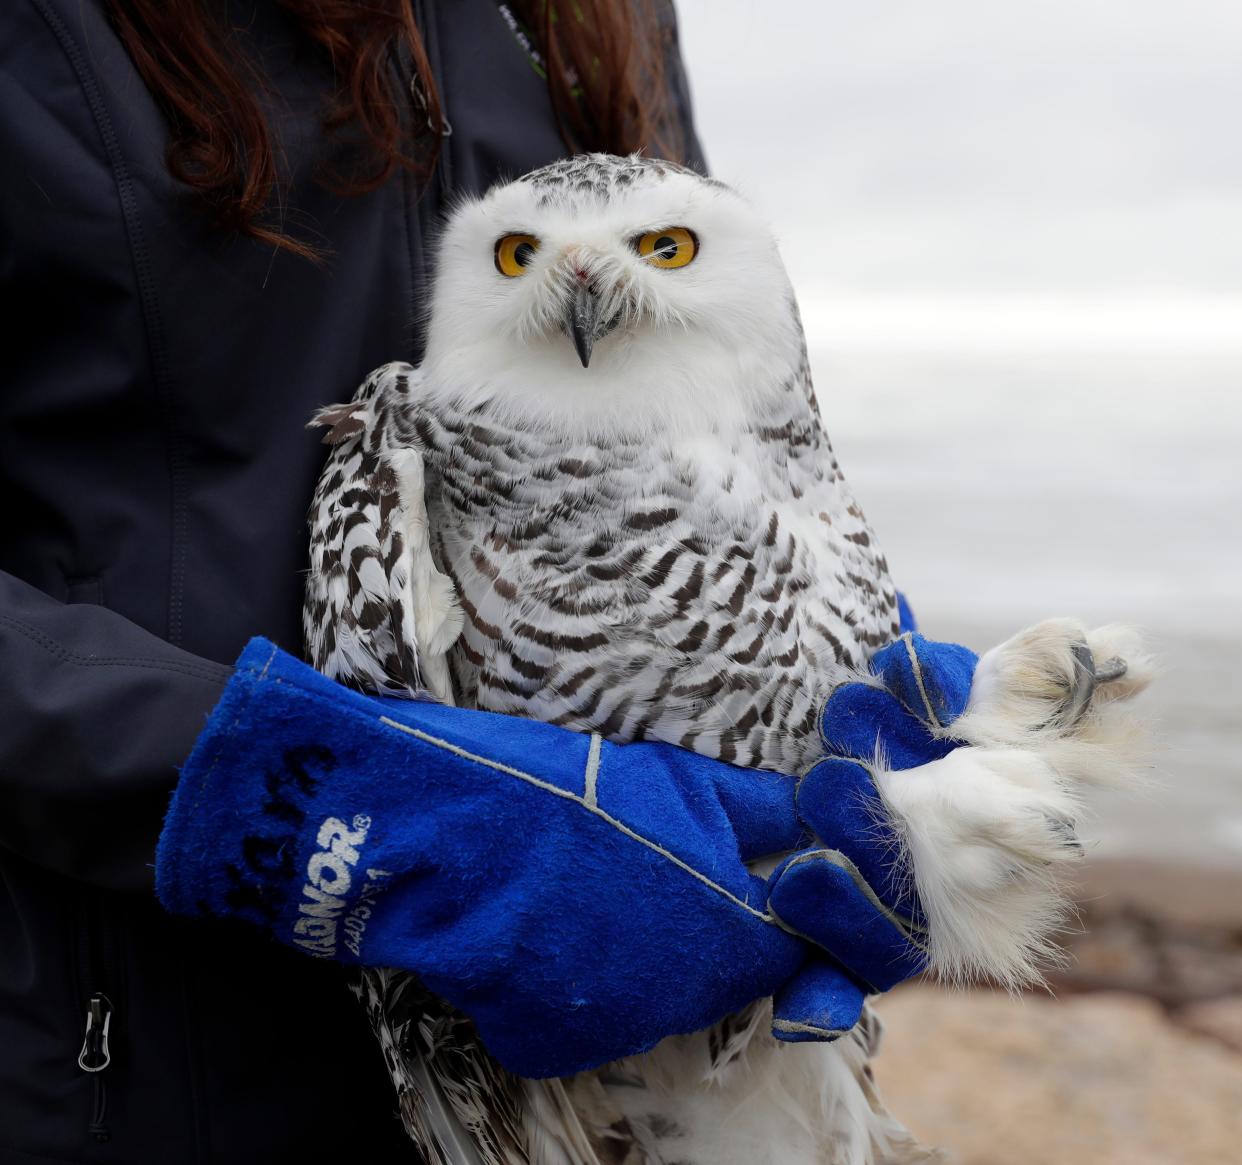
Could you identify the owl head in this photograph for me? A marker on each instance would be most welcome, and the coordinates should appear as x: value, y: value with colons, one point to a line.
x: 623, y: 292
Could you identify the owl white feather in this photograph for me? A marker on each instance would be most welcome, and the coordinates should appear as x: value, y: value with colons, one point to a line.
x: 606, y: 499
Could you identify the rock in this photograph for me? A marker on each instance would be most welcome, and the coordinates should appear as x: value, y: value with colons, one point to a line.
x: 1220, y: 1019
x: 1168, y: 932
x: 1191, y: 895
x: 1098, y: 1079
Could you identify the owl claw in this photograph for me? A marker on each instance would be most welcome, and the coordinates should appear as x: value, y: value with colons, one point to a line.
x: 1110, y: 670
x: 1046, y: 679
x: 1080, y: 688
x: 1089, y: 675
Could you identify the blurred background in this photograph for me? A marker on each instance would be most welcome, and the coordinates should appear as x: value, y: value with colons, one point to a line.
x: 1016, y: 235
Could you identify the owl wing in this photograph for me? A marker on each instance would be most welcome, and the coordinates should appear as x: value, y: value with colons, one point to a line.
x: 378, y: 613
x: 380, y: 616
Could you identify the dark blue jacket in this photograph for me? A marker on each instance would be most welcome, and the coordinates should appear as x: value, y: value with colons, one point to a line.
x: 154, y: 476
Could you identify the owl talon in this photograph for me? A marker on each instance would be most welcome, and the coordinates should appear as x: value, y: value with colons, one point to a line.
x: 1081, y: 687
x: 1110, y: 670
x: 1049, y: 679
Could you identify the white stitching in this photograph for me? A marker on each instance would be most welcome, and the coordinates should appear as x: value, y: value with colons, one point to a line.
x: 620, y: 826
x: 592, y: 769
x: 918, y: 679
x: 907, y: 926
x: 788, y: 1025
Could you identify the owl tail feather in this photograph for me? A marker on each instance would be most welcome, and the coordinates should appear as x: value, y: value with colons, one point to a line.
x: 563, y: 1133
x: 456, y: 1104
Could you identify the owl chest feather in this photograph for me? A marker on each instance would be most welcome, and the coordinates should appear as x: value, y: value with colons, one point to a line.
x: 706, y: 592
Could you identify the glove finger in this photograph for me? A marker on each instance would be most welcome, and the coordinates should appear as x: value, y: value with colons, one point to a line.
x: 823, y: 897
x: 838, y: 800
x: 863, y: 721
x: 931, y: 679
x: 761, y: 806
x: 821, y: 1003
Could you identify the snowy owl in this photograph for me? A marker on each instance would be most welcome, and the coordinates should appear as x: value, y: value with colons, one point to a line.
x: 606, y: 499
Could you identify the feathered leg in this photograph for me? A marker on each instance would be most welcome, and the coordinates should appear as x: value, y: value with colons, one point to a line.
x: 989, y: 831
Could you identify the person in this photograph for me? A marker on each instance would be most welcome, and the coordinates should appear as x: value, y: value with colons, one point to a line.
x: 216, y: 218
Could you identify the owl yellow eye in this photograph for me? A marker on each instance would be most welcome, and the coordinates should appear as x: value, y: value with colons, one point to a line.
x: 668, y: 247
x: 514, y: 254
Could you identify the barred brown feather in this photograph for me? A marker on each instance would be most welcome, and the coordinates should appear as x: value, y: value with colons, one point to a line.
x: 705, y: 588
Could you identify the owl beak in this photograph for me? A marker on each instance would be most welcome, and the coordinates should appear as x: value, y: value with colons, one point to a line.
x: 583, y: 320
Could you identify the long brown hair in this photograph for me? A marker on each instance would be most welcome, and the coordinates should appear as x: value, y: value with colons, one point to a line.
x: 603, y: 61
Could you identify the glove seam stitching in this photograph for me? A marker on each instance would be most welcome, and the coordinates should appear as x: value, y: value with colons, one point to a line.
x: 556, y: 790
x: 917, y: 668
x: 789, y: 1025
x: 909, y: 929
x: 872, y: 989
x: 590, y: 779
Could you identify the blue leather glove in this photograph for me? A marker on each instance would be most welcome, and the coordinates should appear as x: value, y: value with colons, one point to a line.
x: 846, y: 893
x: 579, y: 900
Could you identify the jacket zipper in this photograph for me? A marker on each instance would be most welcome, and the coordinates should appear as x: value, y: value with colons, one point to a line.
x: 95, y: 1057
x: 421, y: 202
x: 425, y: 17
x: 99, y: 985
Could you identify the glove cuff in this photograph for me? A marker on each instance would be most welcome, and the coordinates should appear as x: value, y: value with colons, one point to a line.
x: 242, y: 815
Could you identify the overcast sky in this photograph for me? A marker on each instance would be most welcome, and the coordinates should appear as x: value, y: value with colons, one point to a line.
x: 1015, y: 230
x: 1054, y: 149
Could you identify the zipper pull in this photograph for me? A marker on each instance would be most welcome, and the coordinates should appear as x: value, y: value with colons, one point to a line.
x: 444, y: 129
x: 95, y: 1057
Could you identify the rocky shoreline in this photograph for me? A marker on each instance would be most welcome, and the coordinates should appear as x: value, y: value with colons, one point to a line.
x: 1134, y: 1056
